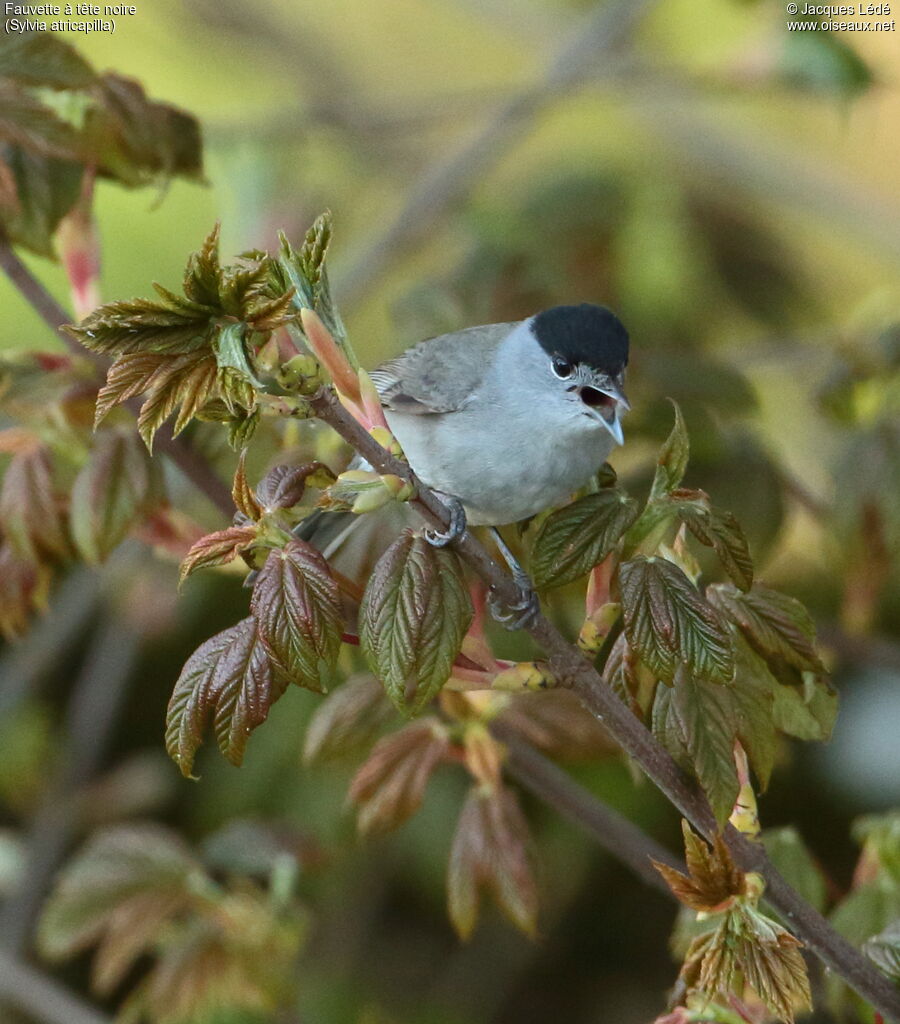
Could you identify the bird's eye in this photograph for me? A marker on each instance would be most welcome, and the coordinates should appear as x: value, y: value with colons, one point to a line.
x: 562, y: 367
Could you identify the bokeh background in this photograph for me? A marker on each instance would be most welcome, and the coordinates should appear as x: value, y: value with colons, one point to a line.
x: 732, y: 189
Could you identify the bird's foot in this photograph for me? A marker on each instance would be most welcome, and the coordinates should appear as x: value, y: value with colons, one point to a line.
x: 525, y: 608
x: 457, y: 526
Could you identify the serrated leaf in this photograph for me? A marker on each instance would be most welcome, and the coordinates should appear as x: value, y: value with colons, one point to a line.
x: 808, y: 711
x: 187, y: 383
x: 347, y: 719
x: 752, y: 690
x: 794, y: 862
x: 284, y: 486
x: 201, y: 276
x: 713, y: 880
x: 118, y: 866
x: 884, y: 951
x: 228, y: 681
x: 574, y: 539
x: 722, y: 532
x: 668, y: 728
x: 775, y: 624
x: 116, y: 486
x: 217, y: 548
x: 414, y: 614
x: 389, y: 787
x: 773, y: 966
x: 672, y: 460
x: 29, y: 509
x: 141, y: 325
x: 297, y: 604
x: 706, y: 712
x: 242, y: 493
x: 490, y: 854
x: 668, y: 622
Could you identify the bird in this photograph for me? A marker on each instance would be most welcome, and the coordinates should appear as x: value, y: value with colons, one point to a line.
x: 502, y: 421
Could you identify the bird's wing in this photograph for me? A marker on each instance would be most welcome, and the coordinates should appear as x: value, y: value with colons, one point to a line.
x: 440, y: 374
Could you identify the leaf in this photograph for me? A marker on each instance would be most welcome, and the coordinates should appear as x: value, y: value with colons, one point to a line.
x: 490, y: 854
x: 722, y: 532
x: 29, y: 509
x: 297, y: 604
x: 231, y: 353
x: 672, y: 460
x: 389, y: 787
x: 141, y: 326
x: 793, y: 860
x: 306, y: 272
x: 707, y: 715
x: 217, y: 548
x: 775, y: 624
x: 137, y: 140
x: 228, y: 681
x: 557, y: 724
x: 116, y: 487
x: 284, y: 486
x: 27, y: 122
x: 667, y: 621
x: 42, y: 191
x: 242, y: 493
x: 772, y: 965
x: 713, y: 880
x: 414, y: 614
x: 23, y: 589
x: 752, y: 691
x: 884, y: 951
x: 42, y: 59
x: 347, y: 719
x: 121, y: 866
x: 574, y: 539
x: 201, y: 275
x: 187, y: 383
x: 807, y: 712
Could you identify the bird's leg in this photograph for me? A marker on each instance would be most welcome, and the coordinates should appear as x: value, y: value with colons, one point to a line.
x: 520, y: 614
x: 457, y: 527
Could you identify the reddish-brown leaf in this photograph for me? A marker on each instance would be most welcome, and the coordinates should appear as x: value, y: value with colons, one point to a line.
x: 217, y: 548
x: 389, y: 786
x: 713, y: 880
x: 242, y: 493
x: 283, y: 486
x: 297, y: 604
x: 490, y: 854
x: 29, y: 509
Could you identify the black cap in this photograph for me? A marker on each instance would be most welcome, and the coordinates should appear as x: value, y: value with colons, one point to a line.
x: 587, y: 334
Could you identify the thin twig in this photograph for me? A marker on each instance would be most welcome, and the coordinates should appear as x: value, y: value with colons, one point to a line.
x: 571, y: 668
x: 586, y: 52
x: 41, y: 997
x: 194, y: 466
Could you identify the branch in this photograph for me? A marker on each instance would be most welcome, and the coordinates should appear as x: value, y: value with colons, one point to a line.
x: 571, y: 668
x: 32, y: 992
x: 194, y: 467
x: 587, y: 50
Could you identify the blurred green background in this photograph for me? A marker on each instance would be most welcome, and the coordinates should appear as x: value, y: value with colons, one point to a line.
x: 732, y: 190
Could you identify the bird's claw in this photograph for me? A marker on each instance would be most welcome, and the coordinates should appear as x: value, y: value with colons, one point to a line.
x: 456, y: 527
x: 522, y: 612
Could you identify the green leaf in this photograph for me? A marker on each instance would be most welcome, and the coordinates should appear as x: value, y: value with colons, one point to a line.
x: 775, y: 624
x: 866, y: 911
x: 722, y: 532
x: 39, y: 191
x: 789, y: 854
x: 414, y: 614
x: 228, y: 681
x: 141, y: 326
x: 884, y: 951
x: 389, y: 787
x: 27, y: 122
x: 29, y: 509
x: 490, y: 854
x: 668, y: 728
x: 231, y: 352
x: 201, y: 276
x: 113, y: 490
x: 118, y: 866
x: 42, y: 59
x: 668, y: 623
x: 574, y: 539
x: 752, y: 691
x: 672, y: 460
x: 808, y: 711
x: 298, y: 606
x: 706, y: 712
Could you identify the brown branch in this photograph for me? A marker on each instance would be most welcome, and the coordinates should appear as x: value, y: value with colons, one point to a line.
x: 573, y: 670
x: 192, y: 465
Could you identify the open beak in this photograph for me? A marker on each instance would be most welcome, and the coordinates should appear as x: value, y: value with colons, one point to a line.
x: 604, y: 403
